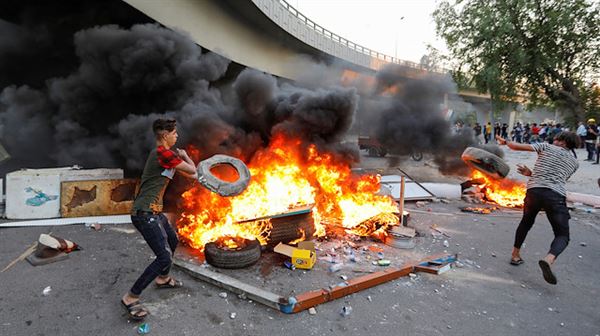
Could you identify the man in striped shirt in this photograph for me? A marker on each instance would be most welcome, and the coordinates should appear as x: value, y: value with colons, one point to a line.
x: 546, y: 190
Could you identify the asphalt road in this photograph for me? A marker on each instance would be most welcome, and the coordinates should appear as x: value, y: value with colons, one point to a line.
x: 486, y: 296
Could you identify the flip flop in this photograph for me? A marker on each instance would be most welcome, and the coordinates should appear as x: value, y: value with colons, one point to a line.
x: 171, y: 283
x: 516, y: 262
x: 134, y: 310
x: 547, y: 272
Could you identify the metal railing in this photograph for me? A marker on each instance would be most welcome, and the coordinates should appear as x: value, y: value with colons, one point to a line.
x: 354, y: 46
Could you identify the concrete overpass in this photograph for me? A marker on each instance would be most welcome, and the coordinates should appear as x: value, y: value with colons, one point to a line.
x: 265, y: 34
x: 271, y: 36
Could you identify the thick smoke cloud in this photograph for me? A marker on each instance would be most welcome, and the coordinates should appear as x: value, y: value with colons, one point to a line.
x: 95, y: 108
x: 411, y: 118
x: 100, y: 114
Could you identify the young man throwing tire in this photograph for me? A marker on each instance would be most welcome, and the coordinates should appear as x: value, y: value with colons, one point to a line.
x: 147, y: 217
x: 546, y: 190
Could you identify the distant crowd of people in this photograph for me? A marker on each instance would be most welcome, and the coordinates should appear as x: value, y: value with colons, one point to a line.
x: 536, y: 133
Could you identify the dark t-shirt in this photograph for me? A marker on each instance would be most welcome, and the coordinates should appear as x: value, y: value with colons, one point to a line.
x: 159, y: 169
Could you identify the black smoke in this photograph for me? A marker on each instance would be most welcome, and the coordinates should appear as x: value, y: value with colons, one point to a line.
x: 411, y: 117
x: 95, y: 108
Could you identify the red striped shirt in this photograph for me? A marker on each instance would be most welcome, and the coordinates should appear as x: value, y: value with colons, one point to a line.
x: 167, y: 158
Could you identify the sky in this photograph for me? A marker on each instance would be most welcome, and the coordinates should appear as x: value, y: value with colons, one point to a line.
x: 400, y: 28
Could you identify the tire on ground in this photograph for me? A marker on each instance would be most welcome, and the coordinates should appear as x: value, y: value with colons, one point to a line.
x: 214, y: 184
x: 244, y: 257
x: 485, y: 162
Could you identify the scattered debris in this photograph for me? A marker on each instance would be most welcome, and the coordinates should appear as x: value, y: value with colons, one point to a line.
x: 384, y: 262
x: 46, y: 291
x: 232, y: 316
x: 304, y: 256
x: 369, y: 298
x: 446, y: 243
x: 335, y: 267
x: 312, y: 311
x: 583, y: 244
x: 95, y: 226
x: 479, y: 210
x: 346, y: 310
x: 24, y: 255
x: 223, y: 295
x: 143, y: 329
x: 435, y: 228
x: 288, y: 264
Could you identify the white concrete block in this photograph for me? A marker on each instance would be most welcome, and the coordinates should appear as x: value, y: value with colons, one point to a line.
x: 35, y: 193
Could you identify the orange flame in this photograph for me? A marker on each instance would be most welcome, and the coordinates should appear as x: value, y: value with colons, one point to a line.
x: 505, y: 192
x: 285, y: 175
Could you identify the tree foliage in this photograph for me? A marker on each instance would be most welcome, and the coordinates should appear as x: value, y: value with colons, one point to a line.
x: 546, y: 50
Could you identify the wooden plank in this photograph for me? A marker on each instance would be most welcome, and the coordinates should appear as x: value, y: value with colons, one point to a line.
x: 313, y: 298
x: 226, y: 282
x: 97, y: 197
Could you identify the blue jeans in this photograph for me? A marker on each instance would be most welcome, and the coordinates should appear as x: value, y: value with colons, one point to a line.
x: 162, y: 239
x: 557, y: 212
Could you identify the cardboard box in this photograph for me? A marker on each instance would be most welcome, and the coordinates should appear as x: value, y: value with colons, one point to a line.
x: 303, y: 256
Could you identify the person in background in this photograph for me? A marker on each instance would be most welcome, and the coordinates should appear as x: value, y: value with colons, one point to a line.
x: 543, y: 132
x: 497, y: 130
x: 518, y: 132
x: 478, y: 132
x: 504, y: 131
x: 535, y: 133
x: 487, y: 132
x: 591, y: 138
x: 546, y: 189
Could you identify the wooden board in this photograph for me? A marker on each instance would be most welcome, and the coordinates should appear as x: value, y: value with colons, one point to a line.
x: 97, y: 197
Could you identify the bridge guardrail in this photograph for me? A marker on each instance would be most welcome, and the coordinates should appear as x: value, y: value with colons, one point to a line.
x: 351, y: 45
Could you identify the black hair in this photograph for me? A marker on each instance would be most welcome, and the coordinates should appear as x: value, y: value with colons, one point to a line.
x: 161, y: 125
x: 570, y: 138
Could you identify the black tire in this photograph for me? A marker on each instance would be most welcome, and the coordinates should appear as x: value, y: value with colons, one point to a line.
x: 485, y: 162
x: 417, y: 155
x: 232, y: 259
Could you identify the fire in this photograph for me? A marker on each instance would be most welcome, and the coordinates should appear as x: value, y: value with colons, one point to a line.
x: 505, y: 192
x: 285, y: 175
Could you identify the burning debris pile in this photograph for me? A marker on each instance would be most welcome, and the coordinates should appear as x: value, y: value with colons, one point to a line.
x: 287, y: 174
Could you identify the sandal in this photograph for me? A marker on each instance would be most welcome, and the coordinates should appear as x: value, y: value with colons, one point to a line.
x: 516, y: 262
x: 135, y: 310
x: 171, y: 283
x: 547, y: 272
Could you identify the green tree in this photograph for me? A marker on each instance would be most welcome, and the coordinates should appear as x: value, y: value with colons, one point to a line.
x: 545, y: 50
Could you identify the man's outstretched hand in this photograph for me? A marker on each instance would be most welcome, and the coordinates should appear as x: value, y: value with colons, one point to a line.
x: 523, y: 170
x: 500, y: 140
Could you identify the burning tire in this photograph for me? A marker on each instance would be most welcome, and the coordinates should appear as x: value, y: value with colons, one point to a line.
x: 227, y: 258
x: 485, y: 162
x: 214, y: 184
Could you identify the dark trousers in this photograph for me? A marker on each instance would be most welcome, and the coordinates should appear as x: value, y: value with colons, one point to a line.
x: 162, y: 239
x: 591, y: 148
x: 556, y: 210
